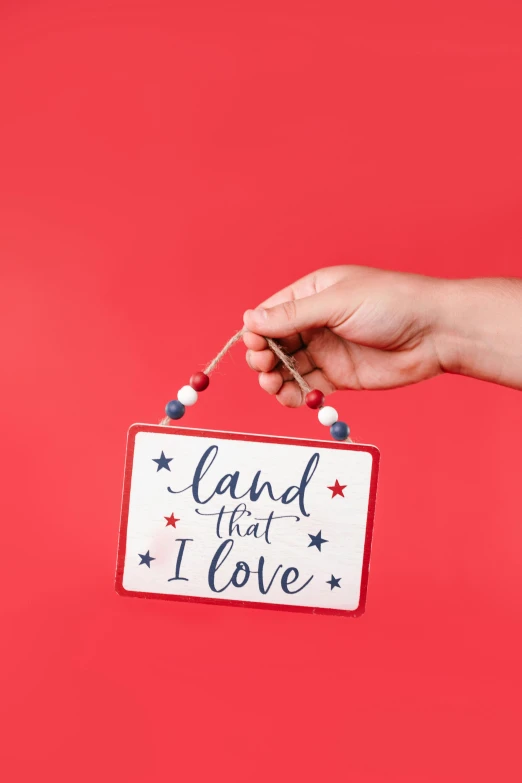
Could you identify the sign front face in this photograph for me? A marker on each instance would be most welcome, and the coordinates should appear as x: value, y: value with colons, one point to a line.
x: 227, y: 517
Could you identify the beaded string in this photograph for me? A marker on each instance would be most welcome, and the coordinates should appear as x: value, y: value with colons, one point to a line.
x: 314, y: 398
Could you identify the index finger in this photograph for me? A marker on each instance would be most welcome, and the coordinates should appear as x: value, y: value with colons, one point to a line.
x: 254, y: 342
x: 308, y: 285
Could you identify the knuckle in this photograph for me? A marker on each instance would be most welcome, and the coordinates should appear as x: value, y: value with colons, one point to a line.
x: 290, y: 310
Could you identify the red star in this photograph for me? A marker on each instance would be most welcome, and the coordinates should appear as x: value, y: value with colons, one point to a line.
x: 337, y: 489
x: 171, y: 520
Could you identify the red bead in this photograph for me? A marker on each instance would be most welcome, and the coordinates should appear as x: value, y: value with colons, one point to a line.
x: 314, y: 398
x: 199, y: 381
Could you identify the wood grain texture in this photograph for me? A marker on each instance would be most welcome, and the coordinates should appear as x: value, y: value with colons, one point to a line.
x: 245, y: 519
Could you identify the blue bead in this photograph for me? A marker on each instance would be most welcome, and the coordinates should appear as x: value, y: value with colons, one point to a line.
x: 175, y: 409
x: 339, y: 430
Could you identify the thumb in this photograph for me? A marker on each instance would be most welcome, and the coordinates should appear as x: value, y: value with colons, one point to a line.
x: 288, y: 318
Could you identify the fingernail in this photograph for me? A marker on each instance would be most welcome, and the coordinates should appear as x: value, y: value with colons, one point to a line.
x: 259, y: 314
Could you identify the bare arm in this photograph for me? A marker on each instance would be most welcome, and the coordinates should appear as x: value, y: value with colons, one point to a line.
x: 480, y: 329
x: 353, y: 327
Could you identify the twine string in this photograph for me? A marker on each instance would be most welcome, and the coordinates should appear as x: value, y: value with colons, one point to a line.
x: 285, y: 359
x: 226, y: 348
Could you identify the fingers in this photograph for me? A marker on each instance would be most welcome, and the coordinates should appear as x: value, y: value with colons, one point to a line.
x: 255, y: 342
x: 311, y: 284
x: 262, y: 361
x: 289, y: 393
x: 294, y: 316
x: 266, y: 360
x: 271, y: 382
x: 302, y: 305
x: 302, y: 363
x: 304, y: 288
x: 260, y: 357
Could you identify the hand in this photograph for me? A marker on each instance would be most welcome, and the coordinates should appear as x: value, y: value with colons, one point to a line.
x: 348, y: 327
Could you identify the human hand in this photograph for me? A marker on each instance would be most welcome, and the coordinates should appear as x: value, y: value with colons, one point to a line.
x: 348, y: 327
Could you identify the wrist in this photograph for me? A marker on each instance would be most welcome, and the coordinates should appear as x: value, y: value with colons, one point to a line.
x: 475, y: 326
x: 454, y: 344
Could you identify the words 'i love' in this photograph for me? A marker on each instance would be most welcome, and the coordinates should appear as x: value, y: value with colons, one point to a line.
x: 250, y: 519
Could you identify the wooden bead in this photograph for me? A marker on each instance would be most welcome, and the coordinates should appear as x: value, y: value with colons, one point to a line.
x: 339, y: 430
x: 327, y: 416
x: 199, y: 381
x: 187, y: 395
x: 314, y: 399
x: 175, y: 409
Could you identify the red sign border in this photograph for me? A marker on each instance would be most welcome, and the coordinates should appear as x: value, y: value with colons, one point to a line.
x: 122, y: 543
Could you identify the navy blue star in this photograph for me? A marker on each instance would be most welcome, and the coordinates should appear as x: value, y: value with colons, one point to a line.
x: 333, y: 582
x: 317, y: 540
x: 146, y: 559
x: 163, y: 462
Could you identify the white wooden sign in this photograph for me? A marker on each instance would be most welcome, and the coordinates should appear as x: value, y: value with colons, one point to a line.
x: 250, y: 519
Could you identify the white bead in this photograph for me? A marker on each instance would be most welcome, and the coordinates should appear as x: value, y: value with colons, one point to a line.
x: 187, y: 395
x: 327, y: 416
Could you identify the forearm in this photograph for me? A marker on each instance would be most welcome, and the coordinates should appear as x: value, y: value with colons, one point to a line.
x: 479, y: 329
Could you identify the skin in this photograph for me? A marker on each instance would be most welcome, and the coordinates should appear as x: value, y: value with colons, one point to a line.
x: 354, y: 327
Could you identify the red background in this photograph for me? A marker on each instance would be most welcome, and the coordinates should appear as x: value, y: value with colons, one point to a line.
x: 163, y: 166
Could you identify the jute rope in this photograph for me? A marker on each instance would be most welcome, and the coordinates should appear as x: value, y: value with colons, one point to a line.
x: 285, y: 359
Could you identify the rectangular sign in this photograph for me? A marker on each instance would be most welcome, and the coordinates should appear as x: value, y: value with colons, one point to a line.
x: 249, y: 519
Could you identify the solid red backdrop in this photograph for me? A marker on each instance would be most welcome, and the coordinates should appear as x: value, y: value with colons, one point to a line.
x: 163, y: 166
